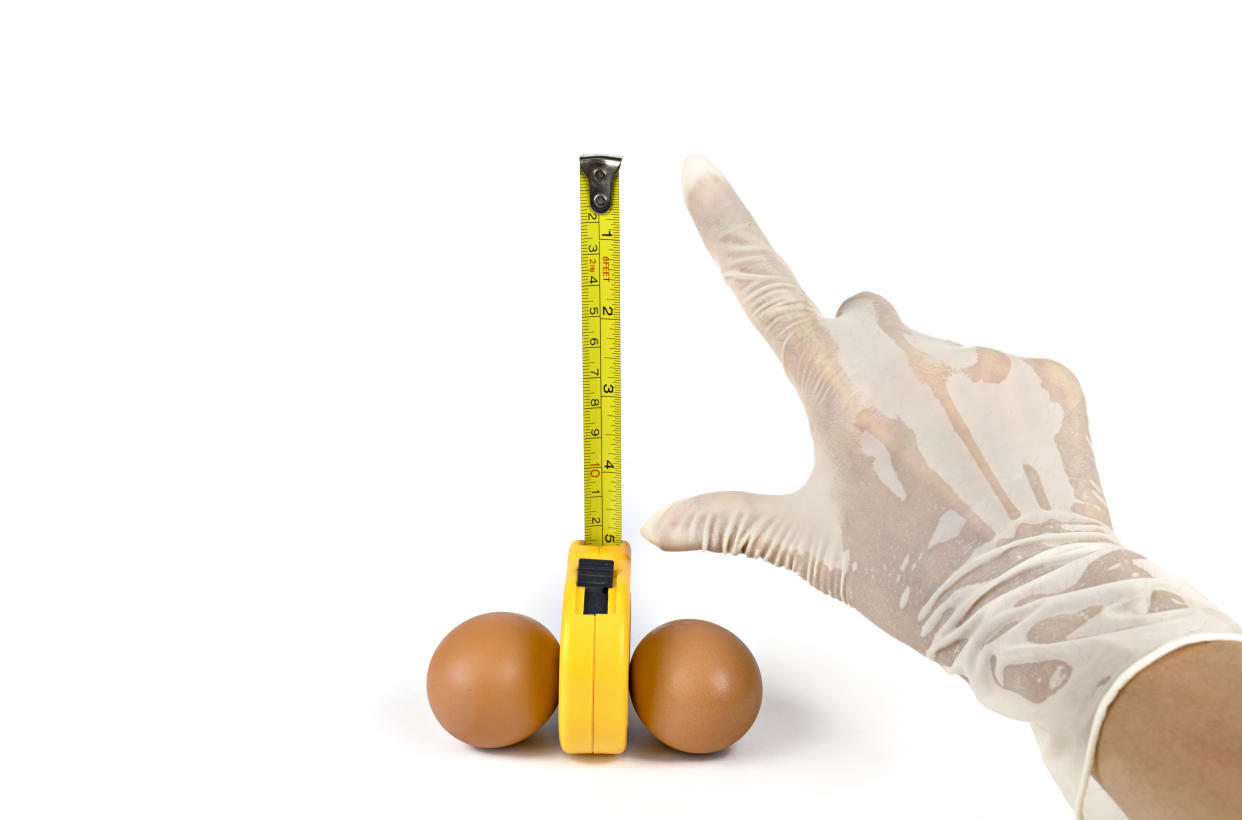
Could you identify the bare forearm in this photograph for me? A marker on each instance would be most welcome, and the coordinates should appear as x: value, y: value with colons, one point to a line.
x: 1171, y: 743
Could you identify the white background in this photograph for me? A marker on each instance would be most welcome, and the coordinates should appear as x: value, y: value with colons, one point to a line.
x: 289, y: 369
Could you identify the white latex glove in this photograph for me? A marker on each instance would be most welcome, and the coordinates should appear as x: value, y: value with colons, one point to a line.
x: 954, y: 502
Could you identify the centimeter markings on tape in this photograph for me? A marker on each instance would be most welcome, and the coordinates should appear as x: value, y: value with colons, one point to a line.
x: 600, y: 211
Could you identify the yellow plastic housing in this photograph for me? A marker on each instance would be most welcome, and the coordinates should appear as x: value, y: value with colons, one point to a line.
x: 594, y: 705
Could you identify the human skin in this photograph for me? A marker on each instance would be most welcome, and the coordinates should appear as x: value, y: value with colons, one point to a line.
x: 1171, y: 743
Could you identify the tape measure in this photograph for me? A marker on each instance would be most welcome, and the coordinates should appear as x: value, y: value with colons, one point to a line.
x: 595, y: 613
x: 600, y: 213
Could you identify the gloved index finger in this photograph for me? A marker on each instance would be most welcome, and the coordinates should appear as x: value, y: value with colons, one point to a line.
x: 760, y: 279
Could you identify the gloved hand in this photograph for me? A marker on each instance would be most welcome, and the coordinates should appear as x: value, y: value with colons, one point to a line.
x: 954, y: 502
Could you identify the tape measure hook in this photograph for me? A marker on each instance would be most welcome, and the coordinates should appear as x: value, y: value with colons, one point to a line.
x: 600, y: 171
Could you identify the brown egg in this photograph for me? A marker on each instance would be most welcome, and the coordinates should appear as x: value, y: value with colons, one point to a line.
x: 695, y: 685
x: 492, y: 681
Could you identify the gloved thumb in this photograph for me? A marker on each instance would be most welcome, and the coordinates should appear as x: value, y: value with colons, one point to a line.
x: 740, y: 523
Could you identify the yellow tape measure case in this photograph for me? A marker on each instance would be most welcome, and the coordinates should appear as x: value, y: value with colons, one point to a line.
x: 594, y: 698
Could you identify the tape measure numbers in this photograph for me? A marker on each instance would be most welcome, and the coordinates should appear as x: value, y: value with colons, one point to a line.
x: 600, y: 215
x: 595, y: 613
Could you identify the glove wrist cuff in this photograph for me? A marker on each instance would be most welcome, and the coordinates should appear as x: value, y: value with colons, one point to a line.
x: 1047, y: 628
